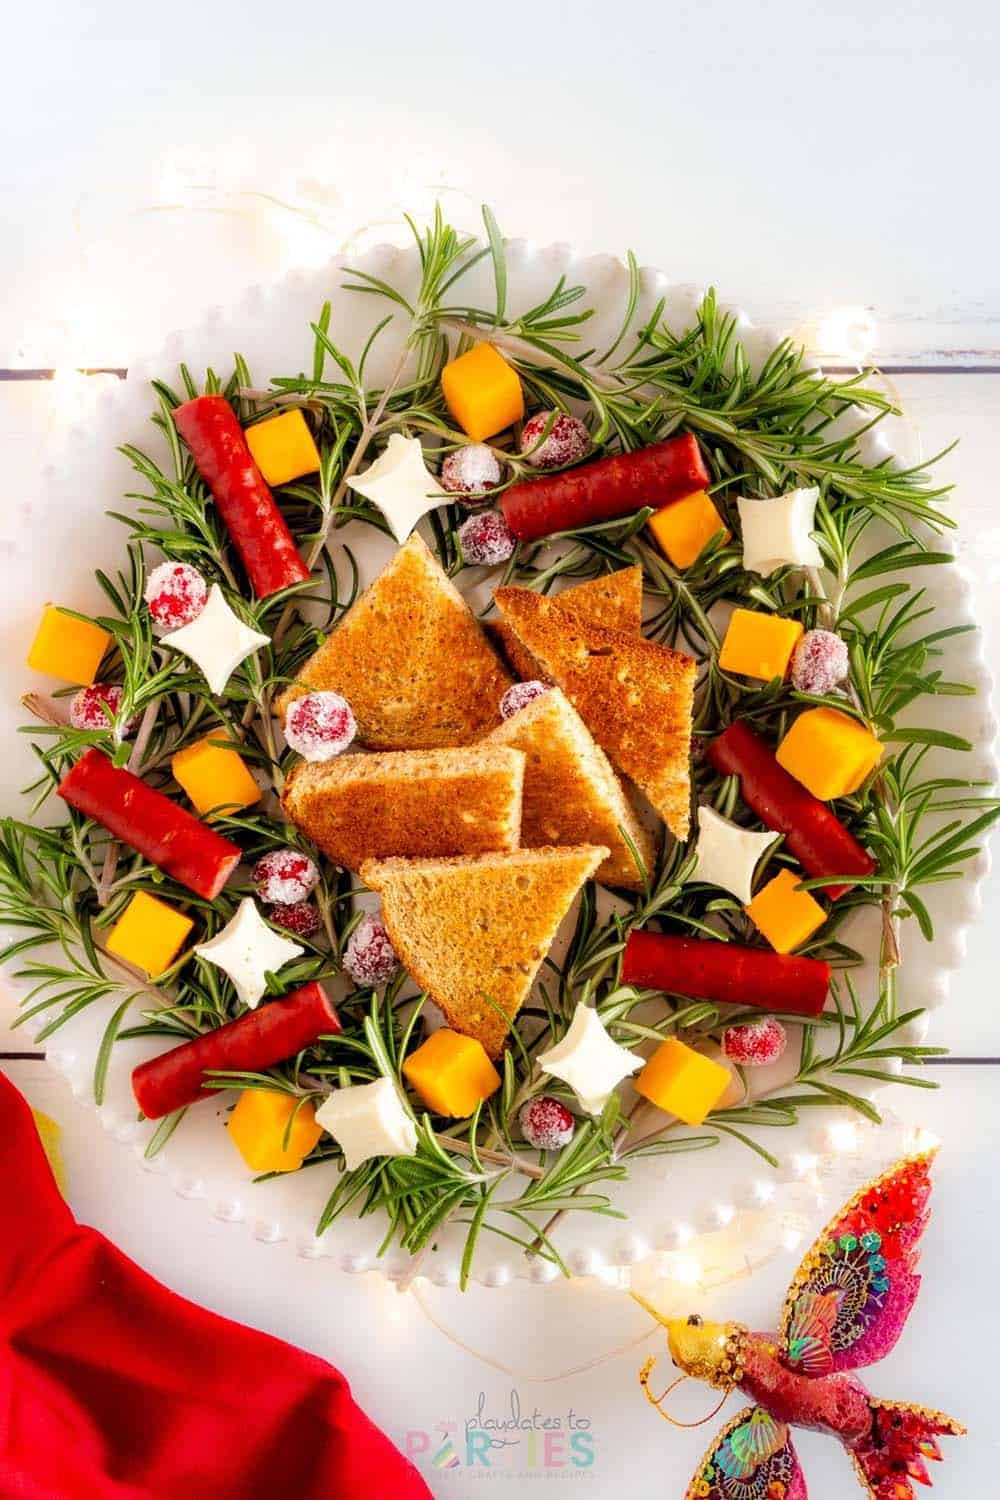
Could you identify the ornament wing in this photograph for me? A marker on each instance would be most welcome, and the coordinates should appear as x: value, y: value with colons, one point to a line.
x: 751, y: 1459
x: 853, y: 1292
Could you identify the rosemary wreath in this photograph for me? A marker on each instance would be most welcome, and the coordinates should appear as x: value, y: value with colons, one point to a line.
x: 62, y: 886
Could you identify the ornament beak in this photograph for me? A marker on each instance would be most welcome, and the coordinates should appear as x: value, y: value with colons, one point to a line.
x: 664, y: 1322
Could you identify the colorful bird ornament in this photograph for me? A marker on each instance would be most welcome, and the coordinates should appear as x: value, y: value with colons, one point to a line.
x: 845, y: 1309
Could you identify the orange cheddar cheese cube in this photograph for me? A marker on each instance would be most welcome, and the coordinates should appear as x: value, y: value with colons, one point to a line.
x: 786, y: 916
x: 214, y: 776
x: 683, y: 1082
x: 259, y: 1124
x: 149, y: 934
x: 483, y: 392
x: 67, y: 647
x: 829, y: 752
x: 451, y: 1073
x: 758, y: 644
x: 684, y: 528
x: 283, y: 447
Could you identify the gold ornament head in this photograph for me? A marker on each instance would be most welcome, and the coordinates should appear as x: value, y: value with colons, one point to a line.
x: 701, y: 1349
x: 707, y: 1351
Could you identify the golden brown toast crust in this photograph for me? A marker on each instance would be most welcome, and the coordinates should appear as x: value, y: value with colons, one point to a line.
x: 411, y: 659
x: 635, y: 696
x: 571, y: 793
x: 466, y: 929
x: 614, y: 600
x: 409, y: 802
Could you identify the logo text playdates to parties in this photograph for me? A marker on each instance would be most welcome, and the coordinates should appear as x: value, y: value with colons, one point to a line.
x: 512, y: 1439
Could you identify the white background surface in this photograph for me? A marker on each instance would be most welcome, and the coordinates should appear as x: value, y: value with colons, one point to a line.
x: 807, y: 158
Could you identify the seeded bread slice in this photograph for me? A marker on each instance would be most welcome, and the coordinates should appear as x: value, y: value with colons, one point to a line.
x: 614, y: 600
x: 571, y: 794
x: 409, y: 802
x: 411, y: 659
x: 634, y: 696
x: 468, y: 929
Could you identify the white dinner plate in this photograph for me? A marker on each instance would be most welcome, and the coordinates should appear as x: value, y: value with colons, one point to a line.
x: 722, y: 1207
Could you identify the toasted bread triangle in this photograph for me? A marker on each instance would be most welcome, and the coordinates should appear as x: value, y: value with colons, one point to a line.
x: 634, y: 695
x: 475, y: 931
x: 614, y: 600
x: 411, y: 659
x: 571, y: 794
x: 409, y: 802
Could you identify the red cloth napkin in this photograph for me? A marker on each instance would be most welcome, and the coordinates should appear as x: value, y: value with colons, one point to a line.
x: 113, y: 1388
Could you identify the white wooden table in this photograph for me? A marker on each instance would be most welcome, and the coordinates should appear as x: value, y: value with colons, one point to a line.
x: 827, y: 166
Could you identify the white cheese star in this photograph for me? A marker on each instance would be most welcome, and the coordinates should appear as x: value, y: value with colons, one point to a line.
x: 399, y: 484
x: 217, y: 641
x: 589, y: 1060
x: 728, y: 855
x: 776, y: 533
x: 247, y: 949
x: 366, y: 1120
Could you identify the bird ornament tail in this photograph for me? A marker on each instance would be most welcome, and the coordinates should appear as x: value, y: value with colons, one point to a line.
x: 900, y: 1441
x: 846, y: 1308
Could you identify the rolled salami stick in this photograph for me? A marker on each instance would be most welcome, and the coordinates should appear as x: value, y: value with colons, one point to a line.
x: 726, y: 973
x: 165, y: 834
x: 260, y: 534
x: 250, y: 1044
x: 813, y: 834
x: 605, y: 489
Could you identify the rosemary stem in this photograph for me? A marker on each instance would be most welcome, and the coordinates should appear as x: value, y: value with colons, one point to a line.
x: 44, y: 710
x: 495, y: 1158
x: 556, y: 1219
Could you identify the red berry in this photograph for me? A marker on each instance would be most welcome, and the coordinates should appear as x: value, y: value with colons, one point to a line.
x: 284, y: 877
x: 369, y: 956
x: 567, y: 441
x: 819, y: 662
x: 519, y: 696
x: 486, y: 539
x: 320, y: 726
x: 753, y: 1043
x: 546, y: 1123
x: 470, y: 471
x: 87, y: 709
x: 176, y: 594
x: 301, y: 917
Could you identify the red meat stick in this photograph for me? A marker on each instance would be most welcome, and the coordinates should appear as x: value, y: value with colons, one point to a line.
x: 816, y: 837
x: 726, y: 973
x: 252, y: 1043
x: 260, y: 535
x: 607, y: 488
x: 165, y: 834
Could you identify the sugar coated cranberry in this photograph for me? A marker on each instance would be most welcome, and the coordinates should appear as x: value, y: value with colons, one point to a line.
x: 176, y: 594
x: 284, y: 877
x: 369, y: 956
x: 566, y: 442
x: 546, y: 1123
x: 301, y: 917
x: 753, y: 1043
x: 470, y: 471
x: 519, y: 696
x: 320, y: 725
x: 819, y: 662
x: 486, y: 539
x: 87, y: 709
